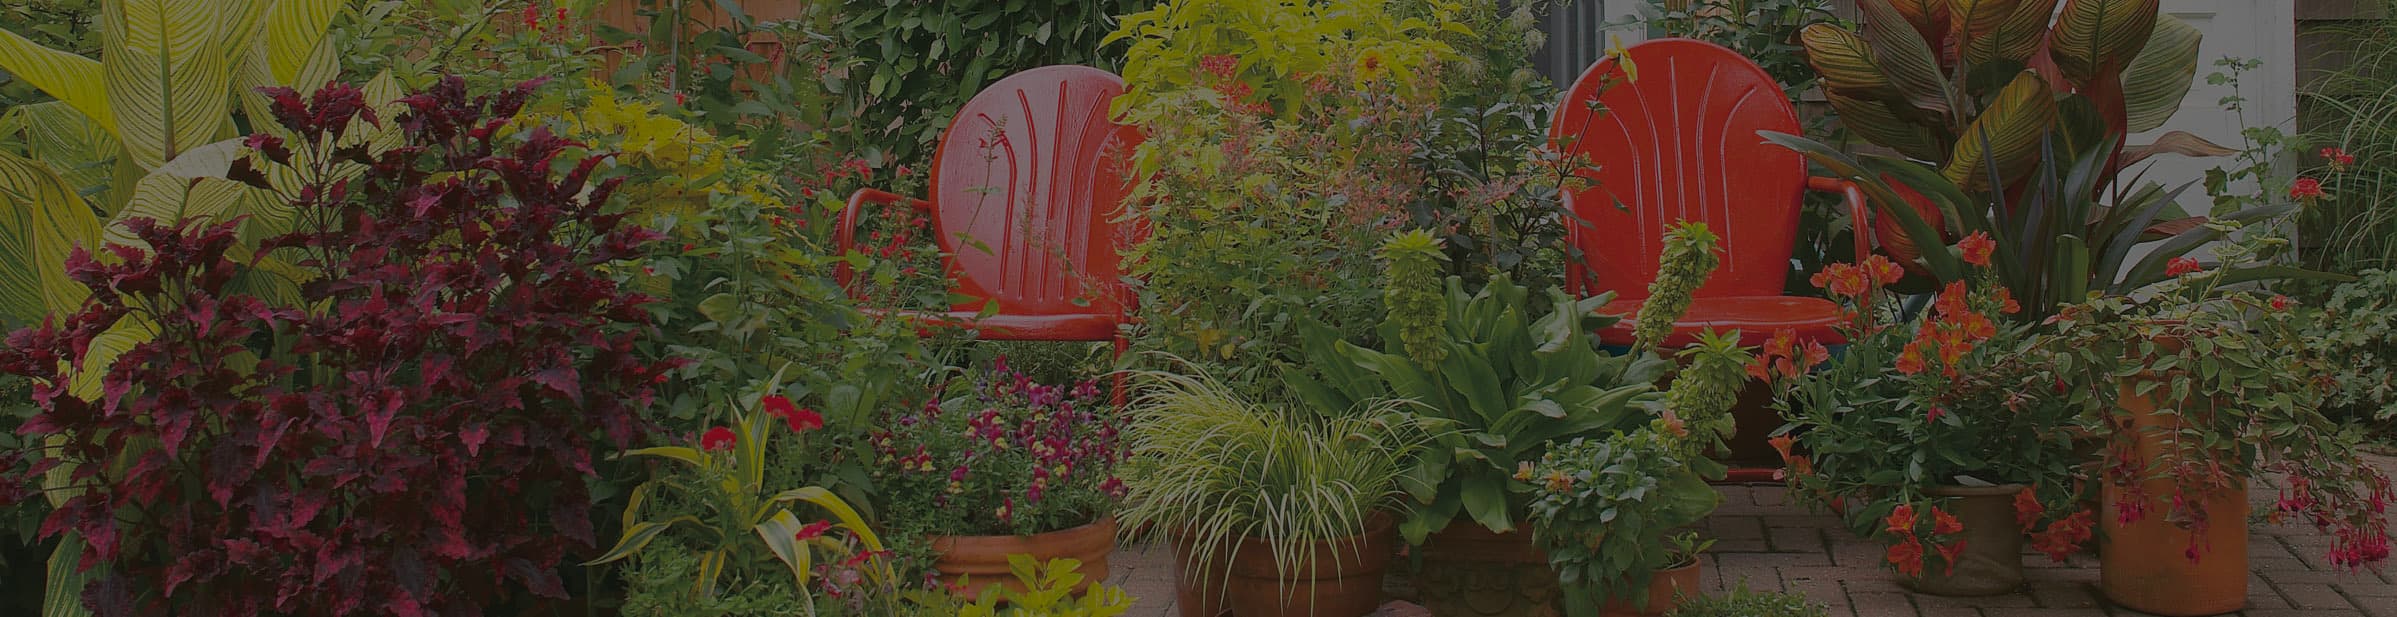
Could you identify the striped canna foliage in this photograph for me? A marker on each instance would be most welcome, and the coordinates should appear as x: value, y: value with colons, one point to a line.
x: 1970, y: 85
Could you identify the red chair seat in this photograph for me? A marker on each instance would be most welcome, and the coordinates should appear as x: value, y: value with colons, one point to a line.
x: 1756, y: 318
x: 1069, y: 327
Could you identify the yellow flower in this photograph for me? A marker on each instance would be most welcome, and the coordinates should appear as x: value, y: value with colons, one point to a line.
x: 1371, y: 65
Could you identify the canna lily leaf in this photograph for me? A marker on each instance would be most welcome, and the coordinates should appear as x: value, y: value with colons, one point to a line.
x: 168, y: 72
x: 2012, y: 37
x: 2156, y: 81
x: 1929, y: 17
x: 637, y: 536
x: 2007, y: 134
x: 1876, y: 123
x: 2176, y: 142
x: 1845, y: 61
x: 1908, y: 61
x: 2100, y: 35
x: 42, y: 220
x: 70, y: 78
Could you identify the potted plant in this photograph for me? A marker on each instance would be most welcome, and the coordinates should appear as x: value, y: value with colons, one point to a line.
x: 1270, y: 510
x: 2194, y: 388
x: 1008, y: 467
x: 1613, y: 515
x: 1493, y: 377
x: 1926, y: 434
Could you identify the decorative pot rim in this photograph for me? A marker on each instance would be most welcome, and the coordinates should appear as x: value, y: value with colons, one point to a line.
x: 1104, y: 526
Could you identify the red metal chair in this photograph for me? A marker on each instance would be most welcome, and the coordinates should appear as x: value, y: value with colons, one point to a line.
x: 1027, y: 186
x: 1681, y: 143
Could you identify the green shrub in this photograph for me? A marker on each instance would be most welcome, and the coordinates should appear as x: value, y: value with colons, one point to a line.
x: 1745, y: 602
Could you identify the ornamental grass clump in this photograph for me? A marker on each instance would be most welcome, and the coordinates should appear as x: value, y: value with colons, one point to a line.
x: 1210, y: 467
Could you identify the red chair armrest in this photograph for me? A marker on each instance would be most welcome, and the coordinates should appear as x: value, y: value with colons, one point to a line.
x: 845, y: 234
x: 1857, y: 210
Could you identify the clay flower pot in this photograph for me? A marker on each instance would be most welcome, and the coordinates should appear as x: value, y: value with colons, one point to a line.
x: 981, y: 561
x: 1664, y: 593
x: 2144, y: 564
x: 1991, y: 562
x: 1343, y: 580
x: 1468, y: 571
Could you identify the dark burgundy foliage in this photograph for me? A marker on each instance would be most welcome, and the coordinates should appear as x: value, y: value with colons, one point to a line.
x: 412, y: 437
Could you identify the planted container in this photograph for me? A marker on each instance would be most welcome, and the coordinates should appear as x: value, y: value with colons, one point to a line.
x: 975, y: 562
x: 1991, y: 562
x: 1336, y: 578
x: 1665, y: 592
x: 2145, y: 564
x: 1470, y: 571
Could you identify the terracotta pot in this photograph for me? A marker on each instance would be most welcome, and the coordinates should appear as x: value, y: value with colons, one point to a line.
x: 1991, y: 562
x: 1343, y: 580
x: 981, y: 561
x: 1664, y: 593
x: 1468, y: 571
x: 2144, y: 565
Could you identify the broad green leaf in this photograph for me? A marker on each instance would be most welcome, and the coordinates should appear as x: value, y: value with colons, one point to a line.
x: 193, y: 186
x: 62, y: 591
x: 781, y: 535
x: 1876, y: 123
x: 69, y: 141
x: 2159, y: 78
x: 1486, y: 501
x: 41, y: 222
x: 1909, y: 62
x: 130, y: 330
x: 685, y: 454
x: 841, y: 512
x: 637, y: 536
x: 168, y: 72
x: 2012, y: 37
x: 67, y: 77
x: 2007, y: 133
x: 1929, y: 17
x: 2100, y: 35
x: 1845, y: 61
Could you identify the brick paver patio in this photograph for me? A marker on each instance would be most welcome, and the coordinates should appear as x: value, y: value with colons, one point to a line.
x: 1774, y: 545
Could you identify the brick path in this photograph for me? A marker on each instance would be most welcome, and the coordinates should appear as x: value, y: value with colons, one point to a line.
x: 1772, y: 545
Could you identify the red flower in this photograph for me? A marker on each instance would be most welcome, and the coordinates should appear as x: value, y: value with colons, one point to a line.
x: 1949, y: 554
x: 2063, y: 538
x: 812, y: 531
x: 2306, y: 188
x: 1977, y: 248
x: 1222, y: 66
x: 1933, y: 416
x: 1882, y: 271
x: 1901, y: 520
x: 2027, y: 508
x: 2182, y: 265
x: 1943, y: 524
x: 800, y: 420
x: 717, y: 439
x: 2338, y: 157
x: 1843, y: 280
x: 1907, y: 556
x: 2282, y: 303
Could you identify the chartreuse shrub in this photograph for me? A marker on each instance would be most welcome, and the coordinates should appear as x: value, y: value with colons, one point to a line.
x: 1279, y: 155
x: 409, y: 432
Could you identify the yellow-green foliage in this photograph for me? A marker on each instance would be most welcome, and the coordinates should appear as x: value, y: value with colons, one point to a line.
x: 1688, y: 259
x: 1412, y: 291
x: 677, y: 165
x: 1283, y: 45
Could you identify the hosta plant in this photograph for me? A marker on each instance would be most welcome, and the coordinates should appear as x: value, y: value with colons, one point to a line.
x: 744, y: 523
x: 408, y: 434
x: 1518, y: 371
x: 1909, y: 406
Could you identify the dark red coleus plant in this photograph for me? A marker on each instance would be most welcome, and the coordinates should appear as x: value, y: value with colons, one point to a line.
x: 410, y: 434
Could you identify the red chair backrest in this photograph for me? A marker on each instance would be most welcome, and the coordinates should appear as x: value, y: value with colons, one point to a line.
x: 1681, y: 144
x: 1035, y: 173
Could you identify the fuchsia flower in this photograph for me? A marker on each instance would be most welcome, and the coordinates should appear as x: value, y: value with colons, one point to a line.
x: 2282, y: 303
x: 2306, y: 188
x: 812, y: 531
